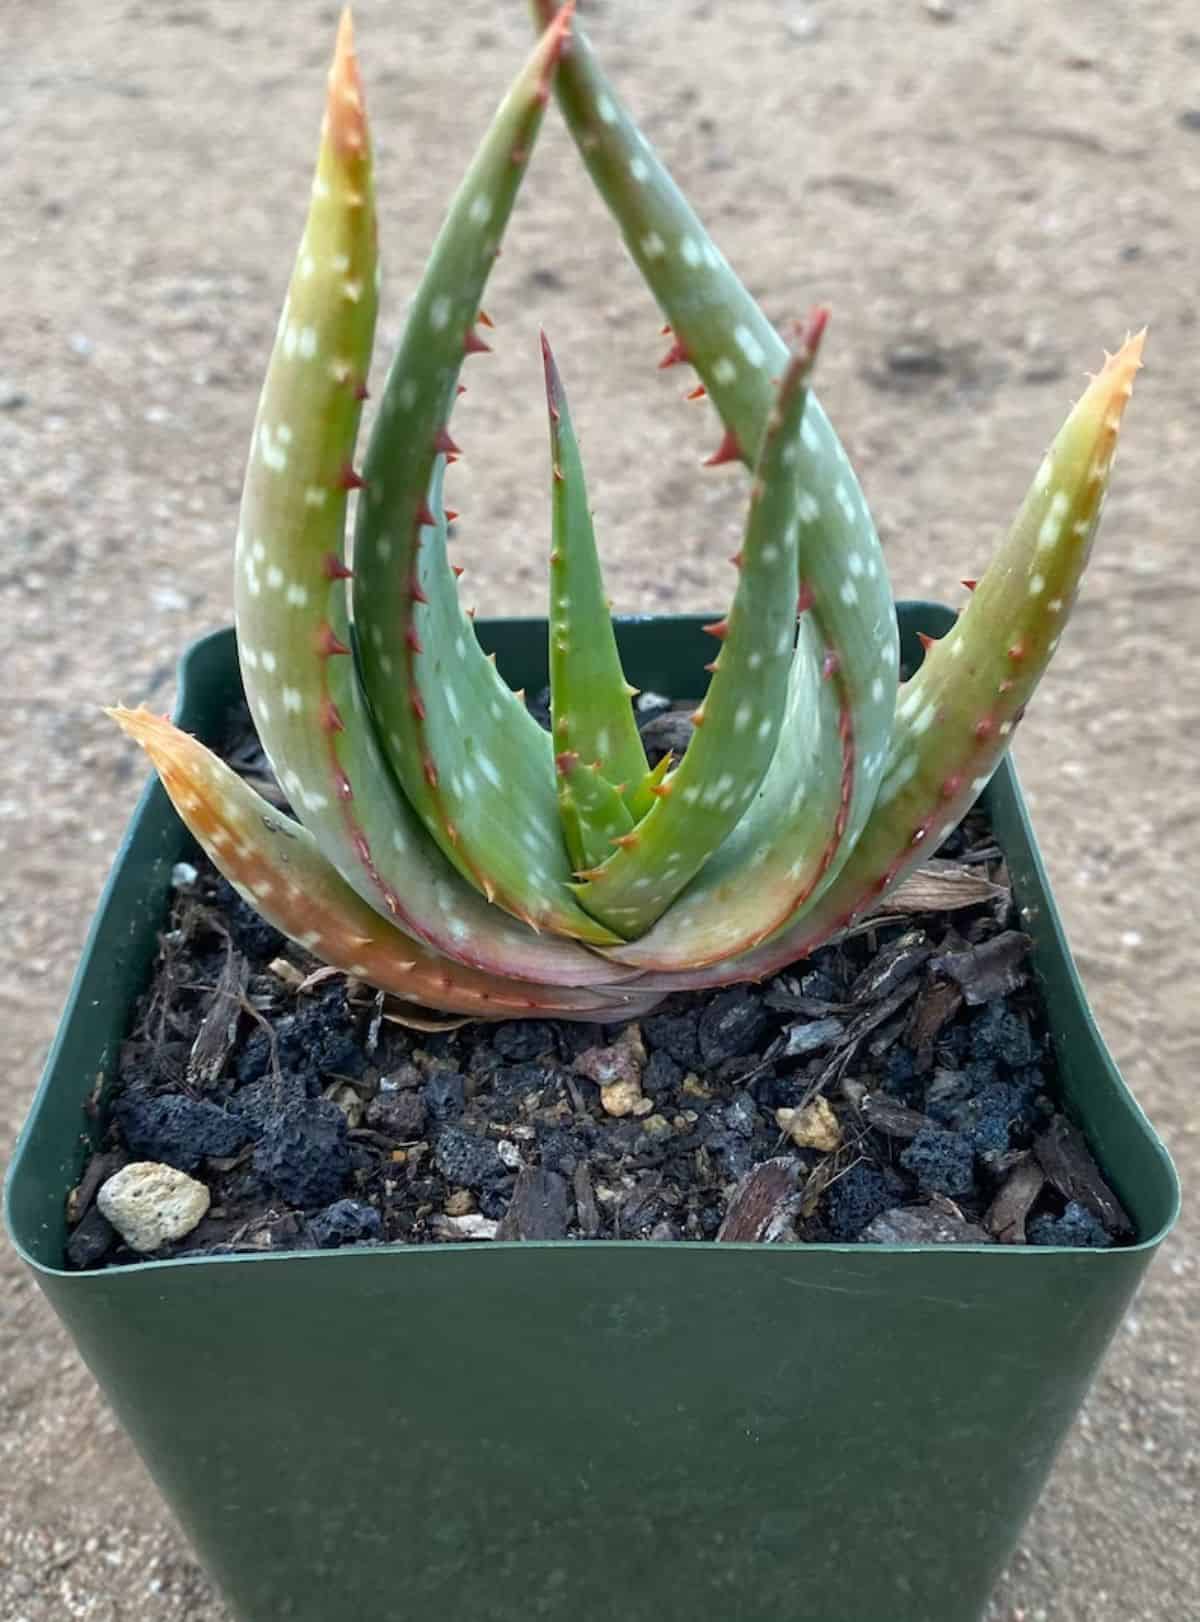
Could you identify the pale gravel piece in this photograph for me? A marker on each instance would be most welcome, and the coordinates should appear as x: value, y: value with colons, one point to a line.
x: 813, y: 1127
x: 151, y: 1205
x: 1061, y: 212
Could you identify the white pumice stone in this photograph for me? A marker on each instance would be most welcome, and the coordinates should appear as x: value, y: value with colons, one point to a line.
x: 150, y: 1204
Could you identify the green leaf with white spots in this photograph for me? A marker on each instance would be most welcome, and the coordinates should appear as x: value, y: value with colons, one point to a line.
x: 473, y: 763
x: 738, y: 724
x: 955, y: 718
x: 817, y: 794
x: 487, y: 777
x: 720, y: 330
x: 591, y: 715
x: 775, y: 851
x: 290, y: 594
x: 288, y: 573
x: 593, y: 813
x: 717, y: 326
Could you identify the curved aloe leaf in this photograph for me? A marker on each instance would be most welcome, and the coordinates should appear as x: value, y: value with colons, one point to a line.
x: 957, y: 714
x: 591, y: 715
x: 720, y: 330
x: 800, y: 827
x: 717, y: 326
x: 275, y: 864
x: 288, y: 567
x: 290, y: 582
x: 472, y: 762
x: 738, y: 724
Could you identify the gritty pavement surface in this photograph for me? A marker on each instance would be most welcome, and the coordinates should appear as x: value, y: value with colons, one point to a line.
x: 987, y: 193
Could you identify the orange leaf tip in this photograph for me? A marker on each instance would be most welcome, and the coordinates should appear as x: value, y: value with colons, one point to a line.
x: 345, y: 109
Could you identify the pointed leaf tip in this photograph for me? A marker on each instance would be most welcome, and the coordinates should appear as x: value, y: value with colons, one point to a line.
x: 1113, y: 384
x: 811, y: 330
x: 347, y: 114
x: 550, y: 372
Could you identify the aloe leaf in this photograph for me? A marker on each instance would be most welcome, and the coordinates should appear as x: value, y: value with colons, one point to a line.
x: 277, y: 867
x: 800, y: 827
x: 475, y: 766
x: 955, y: 718
x: 652, y: 781
x: 718, y: 327
x: 290, y: 582
x: 591, y: 715
x: 737, y: 725
x: 592, y: 811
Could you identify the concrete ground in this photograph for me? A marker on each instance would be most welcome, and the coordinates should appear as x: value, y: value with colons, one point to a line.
x: 987, y: 193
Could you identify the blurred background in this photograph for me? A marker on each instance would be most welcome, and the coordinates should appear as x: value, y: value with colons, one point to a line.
x: 987, y: 192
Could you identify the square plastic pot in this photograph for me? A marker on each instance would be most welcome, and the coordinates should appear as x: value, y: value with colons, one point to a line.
x: 650, y: 1432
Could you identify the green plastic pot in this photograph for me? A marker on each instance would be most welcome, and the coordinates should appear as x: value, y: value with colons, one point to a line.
x: 652, y: 1432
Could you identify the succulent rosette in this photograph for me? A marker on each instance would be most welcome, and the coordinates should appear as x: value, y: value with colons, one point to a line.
x: 446, y: 847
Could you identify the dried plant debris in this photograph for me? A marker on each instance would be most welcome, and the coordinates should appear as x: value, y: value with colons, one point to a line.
x: 895, y: 1088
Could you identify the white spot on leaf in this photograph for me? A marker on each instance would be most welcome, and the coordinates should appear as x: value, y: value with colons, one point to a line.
x: 749, y: 346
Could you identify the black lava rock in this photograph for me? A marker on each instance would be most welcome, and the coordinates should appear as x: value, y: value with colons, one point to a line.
x: 981, y: 1073
x: 345, y: 1222
x: 998, y: 1032
x: 669, y: 732
x: 941, y: 1162
x: 466, y: 1160
x: 523, y: 1039
x: 998, y: 1117
x: 675, y: 1035
x: 561, y: 1150
x: 303, y: 1153
x: 398, y: 1113
x: 261, y: 1099
x: 900, y: 1073
x: 1030, y: 1080
x: 990, y: 1135
x: 445, y: 1095
x: 853, y: 1200
x: 661, y: 1075
x: 319, y: 1040
x: 732, y: 1025
x: 1077, y: 1227
x: 178, y: 1130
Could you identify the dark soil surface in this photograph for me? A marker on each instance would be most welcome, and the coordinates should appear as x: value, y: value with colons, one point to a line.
x: 897, y: 1087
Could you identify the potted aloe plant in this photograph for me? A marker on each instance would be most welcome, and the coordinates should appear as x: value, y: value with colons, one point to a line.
x: 653, y: 1430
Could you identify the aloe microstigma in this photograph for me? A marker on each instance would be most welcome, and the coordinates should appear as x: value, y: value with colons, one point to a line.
x: 445, y: 847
